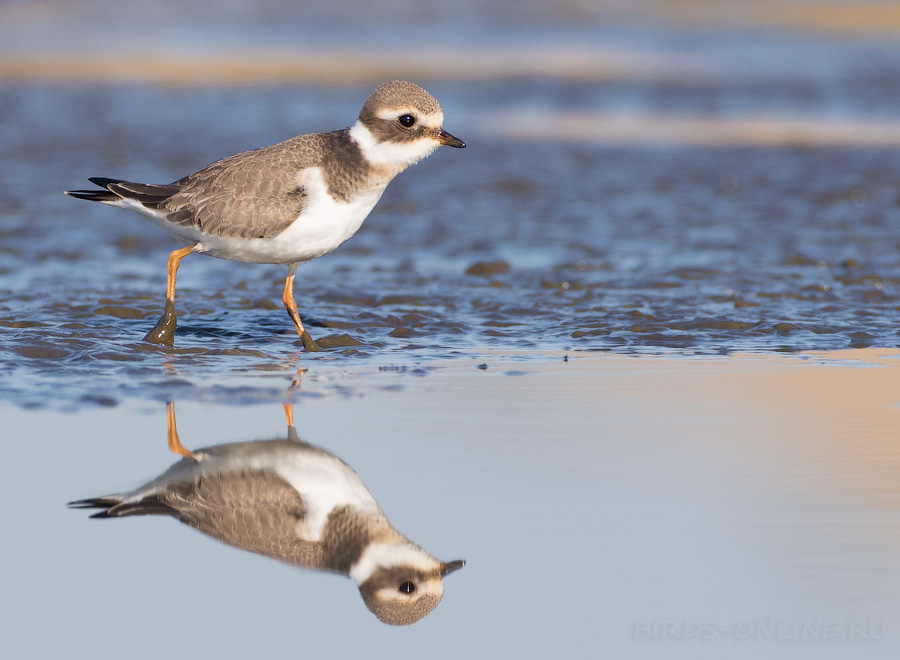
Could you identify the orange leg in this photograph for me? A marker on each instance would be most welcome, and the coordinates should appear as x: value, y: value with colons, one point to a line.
x: 174, y: 442
x: 164, y: 330
x: 289, y: 413
x: 289, y: 418
x: 291, y: 306
x: 174, y: 261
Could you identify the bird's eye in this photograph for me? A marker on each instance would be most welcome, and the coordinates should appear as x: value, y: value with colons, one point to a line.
x: 407, y: 588
x: 406, y: 120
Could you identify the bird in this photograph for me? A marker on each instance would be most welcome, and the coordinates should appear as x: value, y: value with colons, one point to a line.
x: 290, y: 202
x: 294, y: 502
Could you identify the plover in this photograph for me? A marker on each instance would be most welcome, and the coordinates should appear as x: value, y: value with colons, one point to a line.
x: 289, y: 203
x: 297, y: 503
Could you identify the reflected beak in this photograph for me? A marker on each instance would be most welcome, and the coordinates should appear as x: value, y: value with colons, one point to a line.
x: 445, y: 138
x: 450, y: 566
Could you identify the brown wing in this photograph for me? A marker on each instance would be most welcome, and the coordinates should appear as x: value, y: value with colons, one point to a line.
x: 253, y: 510
x: 254, y: 194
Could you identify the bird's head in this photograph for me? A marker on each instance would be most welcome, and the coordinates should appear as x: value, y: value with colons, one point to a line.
x: 400, y: 582
x: 401, y: 124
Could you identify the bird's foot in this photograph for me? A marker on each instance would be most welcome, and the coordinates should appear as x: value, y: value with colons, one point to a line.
x: 163, y: 332
x: 309, y: 345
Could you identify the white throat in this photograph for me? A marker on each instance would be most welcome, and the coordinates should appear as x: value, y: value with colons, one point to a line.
x: 399, y: 155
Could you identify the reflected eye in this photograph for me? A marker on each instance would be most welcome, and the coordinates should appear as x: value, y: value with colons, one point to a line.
x: 406, y: 588
x: 406, y: 120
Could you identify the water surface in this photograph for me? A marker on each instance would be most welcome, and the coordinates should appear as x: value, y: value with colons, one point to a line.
x: 613, y: 503
x: 547, y: 245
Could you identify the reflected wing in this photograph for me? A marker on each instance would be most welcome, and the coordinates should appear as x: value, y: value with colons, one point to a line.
x: 253, y: 510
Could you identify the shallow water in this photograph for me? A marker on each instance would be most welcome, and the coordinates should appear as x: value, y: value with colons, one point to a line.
x: 521, y: 245
x: 611, y: 503
x: 592, y: 353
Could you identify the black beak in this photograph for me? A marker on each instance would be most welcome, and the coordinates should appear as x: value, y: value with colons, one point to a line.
x: 445, y: 138
x: 450, y: 566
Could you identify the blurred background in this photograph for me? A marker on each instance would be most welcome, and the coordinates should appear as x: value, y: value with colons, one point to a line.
x: 671, y: 42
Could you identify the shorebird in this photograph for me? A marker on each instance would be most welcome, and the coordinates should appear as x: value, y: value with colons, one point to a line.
x: 289, y: 203
x: 296, y: 503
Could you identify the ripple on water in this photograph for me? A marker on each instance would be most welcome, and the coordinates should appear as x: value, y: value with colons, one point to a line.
x: 542, y: 246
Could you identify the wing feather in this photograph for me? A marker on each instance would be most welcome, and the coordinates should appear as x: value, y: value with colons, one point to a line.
x: 255, y: 194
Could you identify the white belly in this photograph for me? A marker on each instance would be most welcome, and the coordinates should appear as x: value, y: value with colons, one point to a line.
x: 317, y: 231
x: 322, y: 226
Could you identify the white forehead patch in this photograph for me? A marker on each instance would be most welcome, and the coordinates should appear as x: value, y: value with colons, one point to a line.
x: 388, y: 555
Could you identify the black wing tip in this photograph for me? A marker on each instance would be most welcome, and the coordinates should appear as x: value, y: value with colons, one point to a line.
x: 103, y: 181
x: 104, y: 195
x: 92, y: 503
x: 95, y: 503
x: 92, y: 195
x: 114, y: 507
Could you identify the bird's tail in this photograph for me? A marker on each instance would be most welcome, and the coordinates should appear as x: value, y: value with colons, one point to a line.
x: 104, y: 195
x: 113, y: 191
x: 114, y: 506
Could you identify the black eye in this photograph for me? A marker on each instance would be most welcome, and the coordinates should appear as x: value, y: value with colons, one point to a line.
x: 406, y: 120
x: 406, y: 588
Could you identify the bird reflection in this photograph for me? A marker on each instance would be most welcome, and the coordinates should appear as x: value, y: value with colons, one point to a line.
x: 294, y: 502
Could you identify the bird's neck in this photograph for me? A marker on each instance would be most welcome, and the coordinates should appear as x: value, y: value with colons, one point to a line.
x: 347, y: 534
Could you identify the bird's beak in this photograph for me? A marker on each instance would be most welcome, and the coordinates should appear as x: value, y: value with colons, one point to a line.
x: 450, y: 566
x: 445, y: 138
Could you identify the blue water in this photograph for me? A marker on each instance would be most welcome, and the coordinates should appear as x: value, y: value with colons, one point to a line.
x: 596, y: 247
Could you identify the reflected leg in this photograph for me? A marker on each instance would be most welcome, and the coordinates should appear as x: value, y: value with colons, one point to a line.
x: 289, y: 413
x: 164, y: 330
x: 291, y: 306
x: 172, y: 434
x: 289, y: 418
